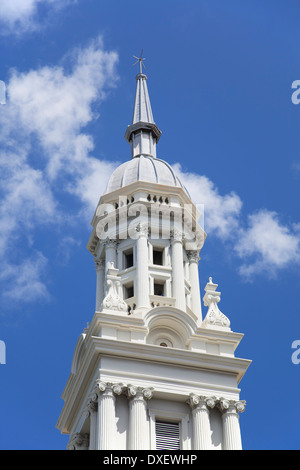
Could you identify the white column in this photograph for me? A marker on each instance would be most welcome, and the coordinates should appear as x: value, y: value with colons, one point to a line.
x: 110, y: 253
x: 92, y: 410
x: 100, y: 267
x: 106, y: 434
x: 139, y: 433
x: 142, y: 278
x: 178, y: 288
x: 194, y: 281
x: 201, y: 421
x: 231, y: 426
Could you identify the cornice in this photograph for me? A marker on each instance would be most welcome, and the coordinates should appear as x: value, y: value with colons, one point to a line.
x: 179, y: 357
x: 97, y: 347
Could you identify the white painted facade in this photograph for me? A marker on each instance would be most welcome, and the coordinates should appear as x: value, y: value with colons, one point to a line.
x: 149, y: 353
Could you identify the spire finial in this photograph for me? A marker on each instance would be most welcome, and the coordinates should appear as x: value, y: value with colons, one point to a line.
x: 140, y: 60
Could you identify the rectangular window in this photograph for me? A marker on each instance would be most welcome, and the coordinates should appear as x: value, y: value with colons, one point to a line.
x: 167, y: 435
x: 128, y: 291
x: 159, y: 289
x: 158, y: 256
x: 128, y: 259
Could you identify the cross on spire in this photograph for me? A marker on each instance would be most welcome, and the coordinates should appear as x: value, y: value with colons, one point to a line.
x: 140, y: 60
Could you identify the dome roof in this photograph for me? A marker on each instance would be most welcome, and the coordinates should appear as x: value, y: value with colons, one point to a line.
x: 143, y: 168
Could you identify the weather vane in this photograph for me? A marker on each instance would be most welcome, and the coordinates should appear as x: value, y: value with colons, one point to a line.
x: 140, y: 60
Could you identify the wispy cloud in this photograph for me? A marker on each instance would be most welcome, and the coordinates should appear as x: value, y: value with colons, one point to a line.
x: 22, y: 281
x: 266, y: 245
x: 262, y: 244
x: 221, y: 212
x: 21, y: 16
x: 55, y: 106
x: 45, y: 152
x: 296, y: 166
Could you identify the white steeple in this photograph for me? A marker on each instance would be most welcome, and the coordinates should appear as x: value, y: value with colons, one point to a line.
x: 142, y: 134
x: 148, y: 372
x: 142, y: 108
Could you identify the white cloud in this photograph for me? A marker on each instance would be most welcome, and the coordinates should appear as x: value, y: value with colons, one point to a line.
x: 221, y: 212
x: 91, y: 183
x: 263, y: 244
x: 46, y: 151
x: 295, y: 166
x: 19, y: 16
x: 26, y: 198
x: 267, y: 245
x: 55, y: 106
x: 65, y: 248
x: 22, y: 282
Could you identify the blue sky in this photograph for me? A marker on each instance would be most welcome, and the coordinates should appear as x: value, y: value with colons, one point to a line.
x: 219, y: 77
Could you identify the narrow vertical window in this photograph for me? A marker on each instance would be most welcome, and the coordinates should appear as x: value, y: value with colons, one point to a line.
x: 157, y: 256
x: 159, y: 289
x: 128, y: 291
x: 128, y: 259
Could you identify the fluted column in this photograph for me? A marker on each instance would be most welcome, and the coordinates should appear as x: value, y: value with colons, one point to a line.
x: 178, y: 287
x: 231, y: 426
x: 106, y: 417
x: 139, y: 436
x: 201, y: 421
x: 142, y: 279
x: 92, y: 411
x: 193, y: 258
x: 100, y: 268
x: 110, y: 253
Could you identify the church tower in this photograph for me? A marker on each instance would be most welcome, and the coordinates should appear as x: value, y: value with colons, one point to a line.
x: 151, y: 370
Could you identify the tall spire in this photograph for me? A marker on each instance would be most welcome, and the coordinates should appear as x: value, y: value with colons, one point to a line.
x: 142, y: 107
x: 142, y: 134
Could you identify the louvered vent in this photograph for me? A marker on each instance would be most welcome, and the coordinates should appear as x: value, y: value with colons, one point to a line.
x: 167, y: 435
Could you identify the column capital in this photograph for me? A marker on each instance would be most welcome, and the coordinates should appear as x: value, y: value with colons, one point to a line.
x: 99, y: 264
x: 78, y: 441
x: 142, y: 230
x: 232, y: 406
x: 201, y: 401
x: 104, y: 389
x: 110, y: 242
x: 92, y: 404
x: 100, y: 387
x: 91, y: 407
x: 107, y: 388
x: 193, y: 256
x: 176, y: 235
x: 139, y: 392
x: 118, y: 389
